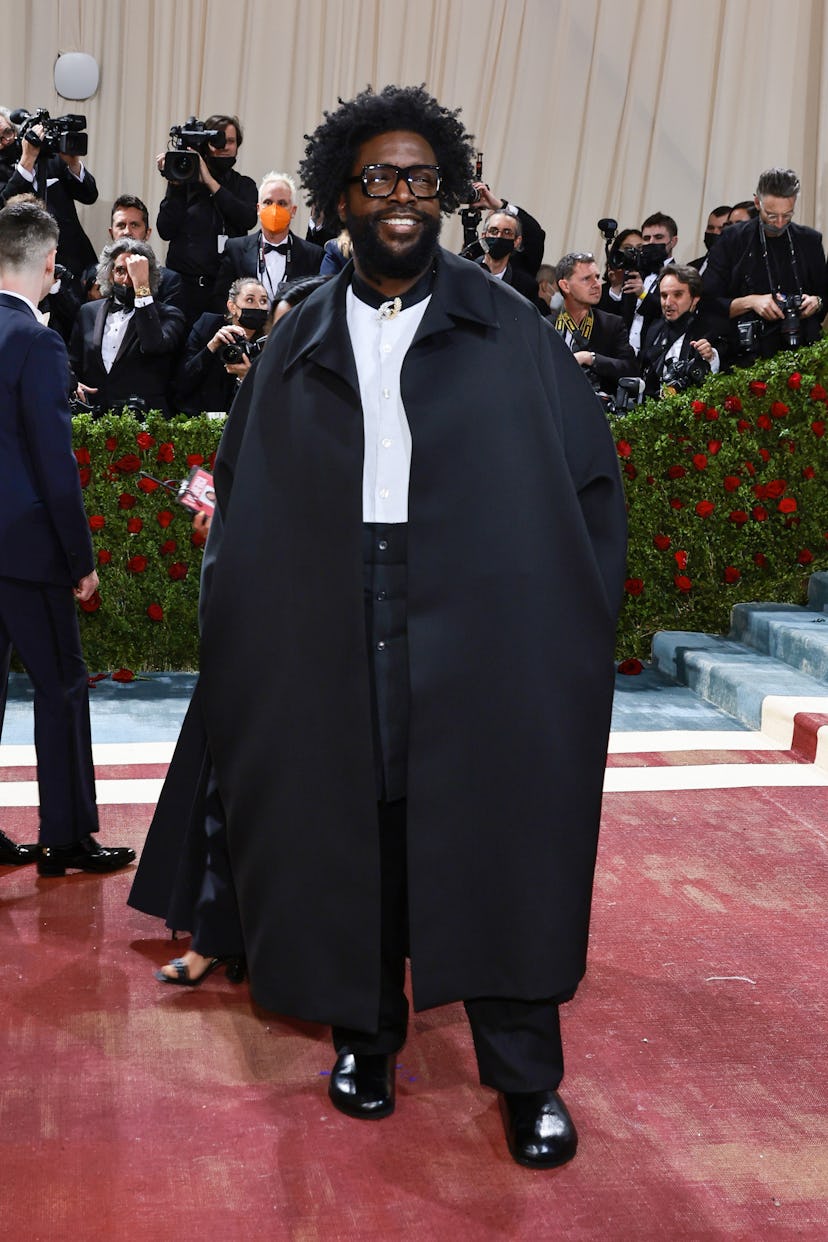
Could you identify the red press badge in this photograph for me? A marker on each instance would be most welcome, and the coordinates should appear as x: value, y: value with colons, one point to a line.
x: 197, y: 491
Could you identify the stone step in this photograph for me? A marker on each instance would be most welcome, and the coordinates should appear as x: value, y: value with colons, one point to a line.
x: 761, y: 691
x: 795, y: 636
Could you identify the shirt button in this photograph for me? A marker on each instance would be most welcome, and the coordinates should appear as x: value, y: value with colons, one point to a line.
x: 384, y: 493
x: 381, y: 596
x: 382, y: 544
x: 386, y: 443
x: 380, y: 645
x: 386, y: 348
x: 386, y: 392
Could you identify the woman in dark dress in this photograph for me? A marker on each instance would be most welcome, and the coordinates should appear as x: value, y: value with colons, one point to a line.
x: 206, y: 380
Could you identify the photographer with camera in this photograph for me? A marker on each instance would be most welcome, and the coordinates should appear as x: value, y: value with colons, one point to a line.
x: 502, y: 242
x: 123, y: 346
x: 533, y: 238
x: 677, y: 352
x: 50, y: 166
x: 220, y: 349
x: 660, y: 234
x: 206, y: 202
x: 768, y: 275
x: 598, y: 340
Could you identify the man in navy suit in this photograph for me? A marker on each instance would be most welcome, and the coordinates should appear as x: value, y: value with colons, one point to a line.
x: 46, y: 554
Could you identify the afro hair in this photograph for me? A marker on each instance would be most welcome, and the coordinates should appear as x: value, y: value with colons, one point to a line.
x: 332, y: 147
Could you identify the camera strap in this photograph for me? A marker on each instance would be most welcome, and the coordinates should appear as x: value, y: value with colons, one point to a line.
x: 777, y: 286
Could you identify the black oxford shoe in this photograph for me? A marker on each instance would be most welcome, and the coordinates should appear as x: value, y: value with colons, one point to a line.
x: 82, y: 855
x: 14, y: 855
x: 539, y: 1130
x: 362, y: 1084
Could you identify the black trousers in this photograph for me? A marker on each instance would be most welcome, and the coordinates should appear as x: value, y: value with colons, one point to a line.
x: 39, y: 621
x: 517, y: 1042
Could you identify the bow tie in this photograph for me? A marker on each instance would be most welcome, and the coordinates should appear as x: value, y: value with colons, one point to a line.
x: 282, y: 248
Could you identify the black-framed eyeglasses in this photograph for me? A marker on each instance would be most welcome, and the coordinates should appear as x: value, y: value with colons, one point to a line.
x: 381, y: 180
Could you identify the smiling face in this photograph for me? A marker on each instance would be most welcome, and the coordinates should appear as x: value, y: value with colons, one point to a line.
x: 676, y: 298
x: 395, y: 238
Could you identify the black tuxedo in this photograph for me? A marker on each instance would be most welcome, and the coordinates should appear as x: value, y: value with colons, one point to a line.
x: 609, y: 342
x: 75, y: 250
x: 143, y: 366
x: 242, y: 258
x: 737, y: 268
x: 45, y: 550
x: 520, y: 281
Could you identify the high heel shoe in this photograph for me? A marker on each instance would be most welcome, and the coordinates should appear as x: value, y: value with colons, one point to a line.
x: 236, y: 971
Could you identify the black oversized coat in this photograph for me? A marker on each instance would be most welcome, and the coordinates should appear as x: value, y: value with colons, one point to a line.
x: 516, y: 547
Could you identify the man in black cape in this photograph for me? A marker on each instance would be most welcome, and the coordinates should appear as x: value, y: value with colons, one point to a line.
x: 407, y: 638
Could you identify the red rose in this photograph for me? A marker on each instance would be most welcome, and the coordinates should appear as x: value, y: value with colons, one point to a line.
x: 92, y: 681
x: 712, y: 414
x: 698, y: 407
x: 198, y: 538
x: 104, y: 556
x: 631, y: 667
x: 818, y: 428
x: 82, y: 456
x: 85, y: 476
x: 662, y: 542
x: 680, y: 558
x: 808, y: 472
x: 676, y: 472
x: 144, y: 440
x: 683, y: 583
x: 630, y: 470
x: 818, y: 393
x: 92, y: 604
x: 675, y: 503
x: 177, y: 571
x: 758, y: 388
x: 167, y: 547
x: 750, y: 468
x: 111, y: 444
x: 787, y: 505
x: 731, y: 574
x: 134, y: 525
x: 731, y: 482
x: 147, y: 486
x: 738, y: 517
x: 760, y: 514
x: 764, y: 422
x: 743, y: 425
x: 164, y: 518
x: 194, y: 459
x: 634, y: 586
x: 713, y: 447
x: 704, y: 508
x: 700, y: 461
x: 126, y: 501
x: 128, y: 464
x: 166, y: 452
x: 155, y: 612
x: 805, y: 556
x: 794, y: 380
x: 779, y: 409
x: 760, y: 559
x: 623, y: 448
x: 733, y: 405
x: 774, y: 488
x: 764, y: 454
x: 123, y: 674
x: 97, y: 521
x: 137, y: 564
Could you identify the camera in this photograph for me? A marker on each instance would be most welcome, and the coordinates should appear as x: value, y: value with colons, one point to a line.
x: 790, y: 327
x: 236, y: 350
x: 471, y: 215
x: 681, y: 373
x: 749, y: 331
x: 646, y: 260
x: 62, y: 135
x: 188, y: 141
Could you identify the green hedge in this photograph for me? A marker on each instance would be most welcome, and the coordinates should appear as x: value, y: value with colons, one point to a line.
x: 727, y: 490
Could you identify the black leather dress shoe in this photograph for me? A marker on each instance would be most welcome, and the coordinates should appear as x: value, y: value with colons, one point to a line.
x: 82, y: 855
x: 539, y: 1130
x: 362, y: 1084
x: 14, y: 855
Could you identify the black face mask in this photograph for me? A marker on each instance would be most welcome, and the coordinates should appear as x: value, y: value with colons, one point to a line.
x: 124, y: 295
x: 12, y: 153
x: 252, y: 317
x: 710, y: 240
x: 219, y: 165
x: 499, y: 247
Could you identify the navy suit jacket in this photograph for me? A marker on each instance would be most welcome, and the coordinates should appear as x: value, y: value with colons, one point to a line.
x: 44, y: 532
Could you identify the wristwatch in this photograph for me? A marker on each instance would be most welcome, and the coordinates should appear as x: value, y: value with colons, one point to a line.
x: 143, y: 291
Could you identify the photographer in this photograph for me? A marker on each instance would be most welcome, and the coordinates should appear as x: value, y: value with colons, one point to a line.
x: 598, y: 340
x: 207, y: 379
x: 622, y: 284
x: 59, y: 180
x: 768, y: 275
x: 123, y: 346
x: 677, y: 352
x: 502, y: 243
x: 530, y: 256
x: 197, y: 217
x: 9, y: 147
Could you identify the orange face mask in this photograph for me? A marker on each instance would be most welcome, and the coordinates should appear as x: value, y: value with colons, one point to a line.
x: 274, y: 217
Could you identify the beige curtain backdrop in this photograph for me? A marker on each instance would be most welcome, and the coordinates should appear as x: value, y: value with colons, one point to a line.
x: 583, y: 108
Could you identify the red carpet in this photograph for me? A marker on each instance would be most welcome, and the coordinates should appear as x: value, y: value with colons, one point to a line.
x: 695, y: 1052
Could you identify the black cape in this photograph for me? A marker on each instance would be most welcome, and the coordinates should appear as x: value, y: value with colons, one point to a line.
x: 516, y: 546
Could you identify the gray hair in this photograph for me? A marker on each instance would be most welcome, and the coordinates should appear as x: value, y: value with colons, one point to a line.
x: 5, y: 112
x: 501, y: 211
x: 278, y: 176
x: 125, y: 245
x: 778, y: 182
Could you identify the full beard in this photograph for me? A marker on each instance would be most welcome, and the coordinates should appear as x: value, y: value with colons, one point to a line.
x: 379, y: 261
